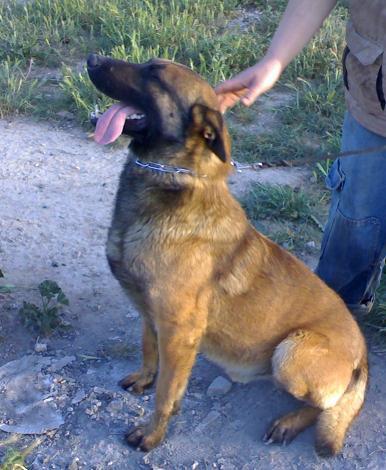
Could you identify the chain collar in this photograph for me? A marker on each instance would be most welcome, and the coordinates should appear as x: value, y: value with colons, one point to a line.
x: 162, y: 168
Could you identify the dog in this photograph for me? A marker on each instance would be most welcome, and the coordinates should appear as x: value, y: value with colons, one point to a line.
x: 203, y: 279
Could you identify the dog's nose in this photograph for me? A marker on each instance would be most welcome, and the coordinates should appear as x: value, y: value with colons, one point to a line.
x: 93, y: 60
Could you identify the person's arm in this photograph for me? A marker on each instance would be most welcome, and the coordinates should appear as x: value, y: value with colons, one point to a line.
x: 300, y: 21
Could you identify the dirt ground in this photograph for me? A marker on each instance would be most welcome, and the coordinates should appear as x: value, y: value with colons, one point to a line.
x: 56, y: 194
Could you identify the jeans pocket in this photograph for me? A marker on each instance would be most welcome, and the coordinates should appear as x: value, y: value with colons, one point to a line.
x: 350, y: 251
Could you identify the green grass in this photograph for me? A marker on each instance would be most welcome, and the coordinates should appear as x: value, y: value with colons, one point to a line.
x: 278, y: 202
x: 18, y: 94
x: 13, y: 460
x: 309, y: 125
x: 289, y: 216
x: 57, y: 32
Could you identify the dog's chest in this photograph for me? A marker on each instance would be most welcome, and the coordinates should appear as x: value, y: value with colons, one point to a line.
x: 133, y: 254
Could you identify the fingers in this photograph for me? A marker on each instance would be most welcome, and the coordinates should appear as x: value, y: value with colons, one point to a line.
x: 249, y: 84
x: 231, y: 91
x: 233, y: 85
x: 228, y: 100
x: 253, y: 93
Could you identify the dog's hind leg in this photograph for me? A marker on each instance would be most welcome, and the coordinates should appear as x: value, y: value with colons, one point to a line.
x: 309, y: 367
x: 145, y: 377
x: 286, y: 428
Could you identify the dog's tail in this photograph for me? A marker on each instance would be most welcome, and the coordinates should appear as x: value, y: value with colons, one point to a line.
x: 333, y: 422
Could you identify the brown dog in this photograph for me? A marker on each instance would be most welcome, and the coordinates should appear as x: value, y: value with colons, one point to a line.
x: 202, y: 277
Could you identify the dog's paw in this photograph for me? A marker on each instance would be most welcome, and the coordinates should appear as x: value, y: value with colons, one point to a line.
x: 140, y: 439
x: 281, y: 431
x: 137, y: 381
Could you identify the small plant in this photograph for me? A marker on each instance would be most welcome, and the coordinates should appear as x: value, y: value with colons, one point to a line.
x: 13, y: 460
x: 17, y: 91
x: 322, y: 169
x: 45, y: 318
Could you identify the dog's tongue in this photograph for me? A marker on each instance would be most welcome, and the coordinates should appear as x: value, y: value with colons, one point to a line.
x: 110, y: 125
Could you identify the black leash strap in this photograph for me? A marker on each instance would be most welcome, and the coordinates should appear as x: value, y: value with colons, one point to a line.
x: 304, y: 161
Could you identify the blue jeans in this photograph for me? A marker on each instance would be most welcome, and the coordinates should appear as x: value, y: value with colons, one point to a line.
x: 354, y: 241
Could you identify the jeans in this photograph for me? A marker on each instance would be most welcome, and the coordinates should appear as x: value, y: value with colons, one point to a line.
x: 354, y: 242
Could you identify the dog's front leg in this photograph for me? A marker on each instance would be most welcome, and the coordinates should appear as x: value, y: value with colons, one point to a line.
x: 177, y: 352
x: 144, y: 377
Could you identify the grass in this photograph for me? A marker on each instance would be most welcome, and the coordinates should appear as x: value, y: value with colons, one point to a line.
x: 289, y: 216
x: 53, y: 33
x: 18, y: 93
x: 14, y: 459
x: 278, y: 202
x: 57, y: 32
x: 376, y: 320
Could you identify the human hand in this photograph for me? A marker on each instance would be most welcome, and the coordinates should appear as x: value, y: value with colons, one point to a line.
x: 249, y: 84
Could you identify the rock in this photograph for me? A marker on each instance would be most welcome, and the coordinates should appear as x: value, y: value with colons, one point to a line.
x: 60, y: 363
x: 40, y: 347
x: 74, y: 464
x: 311, y: 244
x: 223, y: 464
x: 219, y: 387
x: 79, y: 396
x: 26, y: 404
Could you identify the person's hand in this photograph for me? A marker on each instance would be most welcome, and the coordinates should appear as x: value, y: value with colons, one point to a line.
x: 249, y: 84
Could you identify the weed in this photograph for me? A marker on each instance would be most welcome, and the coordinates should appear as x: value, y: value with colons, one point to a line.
x: 294, y: 236
x: 17, y: 92
x: 321, y: 170
x: 288, y: 216
x: 13, y: 460
x: 278, y: 202
x: 46, y: 318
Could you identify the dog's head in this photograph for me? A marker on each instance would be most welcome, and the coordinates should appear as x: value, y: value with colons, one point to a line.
x: 159, y: 103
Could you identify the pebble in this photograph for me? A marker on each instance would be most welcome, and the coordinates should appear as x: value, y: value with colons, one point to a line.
x: 40, y: 347
x: 79, y: 396
x: 219, y: 387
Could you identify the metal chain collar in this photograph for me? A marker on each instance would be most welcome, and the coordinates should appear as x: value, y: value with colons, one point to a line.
x: 162, y: 168
x: 239, y: 167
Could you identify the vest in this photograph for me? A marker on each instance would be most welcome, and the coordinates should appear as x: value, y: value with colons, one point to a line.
x: 364, y: 64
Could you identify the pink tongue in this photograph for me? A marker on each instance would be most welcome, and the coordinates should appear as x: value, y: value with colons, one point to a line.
x: 110, y: 125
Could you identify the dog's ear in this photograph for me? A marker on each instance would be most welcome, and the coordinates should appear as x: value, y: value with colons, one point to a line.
x: 209, y: 124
